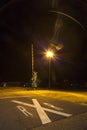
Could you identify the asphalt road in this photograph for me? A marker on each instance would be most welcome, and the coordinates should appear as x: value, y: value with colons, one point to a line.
x: 26, y: 113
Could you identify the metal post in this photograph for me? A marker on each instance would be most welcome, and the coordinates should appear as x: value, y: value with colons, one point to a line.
x: 49, y: 72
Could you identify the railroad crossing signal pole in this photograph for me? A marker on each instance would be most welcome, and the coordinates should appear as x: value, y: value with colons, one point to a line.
x: 34, y: 74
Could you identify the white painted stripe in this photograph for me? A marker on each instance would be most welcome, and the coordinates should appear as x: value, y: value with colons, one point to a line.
x: 46, y: 109
x: 52, y: 106
x: 43, y: 116
x: 25, y: 112
x: 23, y: 103
x: 57, y: 112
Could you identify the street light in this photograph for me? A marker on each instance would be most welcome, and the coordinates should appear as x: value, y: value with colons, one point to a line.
x: 49, y: 54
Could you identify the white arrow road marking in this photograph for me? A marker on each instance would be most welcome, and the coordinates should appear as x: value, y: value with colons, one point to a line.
x: 25, y: 112
x: 52, y: 106
x: 41, y: 110
x: 43, y: 116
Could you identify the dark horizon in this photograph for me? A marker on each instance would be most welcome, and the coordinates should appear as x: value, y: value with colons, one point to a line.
x: 25, y: 22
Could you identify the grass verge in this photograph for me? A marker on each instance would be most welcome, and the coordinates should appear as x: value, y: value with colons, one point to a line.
x: 75, y: 97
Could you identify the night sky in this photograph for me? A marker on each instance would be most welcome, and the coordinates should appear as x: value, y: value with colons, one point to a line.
x: 23, y: 22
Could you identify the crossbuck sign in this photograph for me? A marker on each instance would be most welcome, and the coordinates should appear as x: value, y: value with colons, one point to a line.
x: 40, y: 110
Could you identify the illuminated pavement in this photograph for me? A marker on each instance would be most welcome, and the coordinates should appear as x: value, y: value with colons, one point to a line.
x: 41, y: 113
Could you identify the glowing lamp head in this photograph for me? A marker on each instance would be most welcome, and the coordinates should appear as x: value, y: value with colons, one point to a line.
x: 49, y: 54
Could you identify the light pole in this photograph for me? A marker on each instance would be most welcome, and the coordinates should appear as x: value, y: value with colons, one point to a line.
x: 49, y: 54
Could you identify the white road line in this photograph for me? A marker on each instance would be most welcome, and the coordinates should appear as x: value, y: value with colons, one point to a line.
x: 52, y: 106
x: 43, y: 116
x: 46, y: 109
x: 25, y: 112
x: 23, y: 103
x: 57, y: 112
